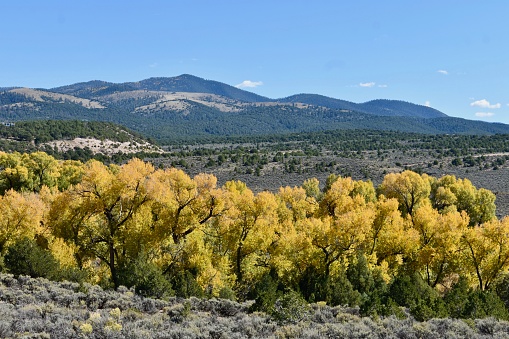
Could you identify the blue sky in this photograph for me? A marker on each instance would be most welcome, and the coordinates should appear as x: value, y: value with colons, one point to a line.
x: 451, y: 55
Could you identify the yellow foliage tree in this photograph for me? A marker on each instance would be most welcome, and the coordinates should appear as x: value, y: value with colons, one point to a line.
x: 345, y: 222
x: 439, y: 248
x: 409, y: 188
x: 248, y: 228
x: 391, y: 238
x: 100, y: 216
x: 21, y: 216
x: 14, y: 174
x: 450, y: 193
x: 182, y: 204
x: 487, y: 250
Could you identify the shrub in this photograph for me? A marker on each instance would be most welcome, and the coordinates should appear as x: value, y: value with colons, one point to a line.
x: 501, y: 288
x: 185, y: 285
x: 457, y: 297
x: 146, y: 277
x: 315, y: 286
x: 422, y: 300
x: 25, y: 257
x: 265, y: 294
x: 465, y: 302
x: 483, y: 304
x: 290, y: 308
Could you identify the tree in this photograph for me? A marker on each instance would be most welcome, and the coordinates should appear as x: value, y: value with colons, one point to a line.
x: 22, y: 217
x: 439, y: 246
x: 43, y: 169
x: 344, y: 224
x: 71, y: 172
x: 391, y: 239
x: 487, y: 250
x: 101, y: 215
x: 449, y: 193
x: 14, y: 174
x: 248, y: 229
x: 297, y: 205
x: 409, y: 188
x: 182, y: 204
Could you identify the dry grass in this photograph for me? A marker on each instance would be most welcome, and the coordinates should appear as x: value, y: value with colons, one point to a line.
x: 41, y: 96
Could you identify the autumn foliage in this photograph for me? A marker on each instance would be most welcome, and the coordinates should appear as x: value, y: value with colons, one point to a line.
x: 346, y: 243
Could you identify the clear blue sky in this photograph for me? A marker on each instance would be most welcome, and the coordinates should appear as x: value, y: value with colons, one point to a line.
x: 451, y: 55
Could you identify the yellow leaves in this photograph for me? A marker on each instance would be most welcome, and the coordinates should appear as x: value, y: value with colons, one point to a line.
x: 247, y: 228
x: 312, y: 188
x: 443, y: 198
x: 408, y: 187
x: 44, y: 169
x: 227, y: 234
x: 205, y: 182
x: 296, y: 204
x: 439, y: 248
x: 337, y: 199
x: 21, y: 216
x: 96, y: 178
x: 174, y: 185
x: 390, y: 236
x: 487, y: 250
x: 181, y: 204
x: 63, y: 252
x: 134, y: 174
x: 14, y: 174
x: 71, y: 172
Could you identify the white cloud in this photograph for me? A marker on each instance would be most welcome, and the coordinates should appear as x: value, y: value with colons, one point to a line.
x: 249, y: 84
x: 383, y: 86
x: 484, y: 114
x: 367, y: 84
x: 153, y: 65
x: 484, y: 104
x: 442, y: 71
x: 427, y: 104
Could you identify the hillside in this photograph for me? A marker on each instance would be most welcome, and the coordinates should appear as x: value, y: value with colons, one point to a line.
x: 71, y: 137
x: 190, y: 108
x: 375, y: 107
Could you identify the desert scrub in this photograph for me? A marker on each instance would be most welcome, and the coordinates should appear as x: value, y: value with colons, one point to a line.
x: 290, y: 308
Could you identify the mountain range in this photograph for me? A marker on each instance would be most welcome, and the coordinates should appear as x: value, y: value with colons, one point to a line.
x: 187, y: 107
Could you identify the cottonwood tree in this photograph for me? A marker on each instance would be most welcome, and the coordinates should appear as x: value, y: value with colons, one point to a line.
x: 439, y: 247
x: 248, y: 228
x: 487, y: 250
x: 449, y: 193
x: 13, y: 173
x: 391, y: 239
x: 183, y: 204
x: 344, y: 223
x: 409, y: 188
x: 101, y: 215
x: 21, y: 217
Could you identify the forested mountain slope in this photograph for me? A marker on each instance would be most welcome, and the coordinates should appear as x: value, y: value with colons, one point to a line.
x: 190, y: 108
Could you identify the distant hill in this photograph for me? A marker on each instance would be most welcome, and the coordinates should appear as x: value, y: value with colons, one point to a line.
x: 377, y: 107
x: 72, y: 136
x: 399, y: 108
x: 182, y: 83
x: 192, y: 108
x: 83, y: 89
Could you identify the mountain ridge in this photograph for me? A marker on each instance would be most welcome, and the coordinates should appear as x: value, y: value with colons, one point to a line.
x: 189, y: 107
